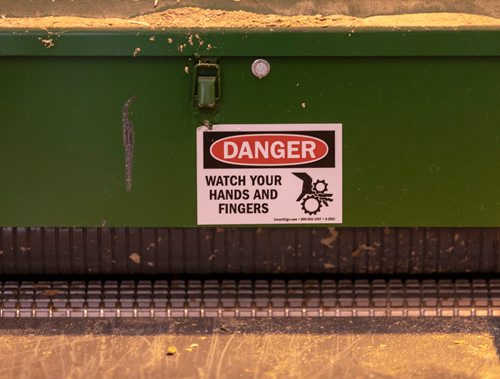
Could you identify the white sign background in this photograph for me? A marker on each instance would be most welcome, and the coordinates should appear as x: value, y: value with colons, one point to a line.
x: 285, y: 209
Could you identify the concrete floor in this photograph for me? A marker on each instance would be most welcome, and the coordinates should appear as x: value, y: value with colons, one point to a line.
x: 252, y: 348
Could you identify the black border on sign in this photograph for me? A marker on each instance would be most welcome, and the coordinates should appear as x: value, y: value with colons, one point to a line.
x: 210, y: 137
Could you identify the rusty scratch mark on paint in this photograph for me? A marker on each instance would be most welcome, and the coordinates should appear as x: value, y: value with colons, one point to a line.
x: 128, y: 142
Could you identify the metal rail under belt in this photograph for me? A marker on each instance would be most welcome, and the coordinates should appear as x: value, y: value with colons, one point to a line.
x: 248, y: 298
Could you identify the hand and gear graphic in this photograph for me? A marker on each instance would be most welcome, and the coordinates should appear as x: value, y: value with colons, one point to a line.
x: 320, y: 186
x: 311, y: 205
x: 313, y: 195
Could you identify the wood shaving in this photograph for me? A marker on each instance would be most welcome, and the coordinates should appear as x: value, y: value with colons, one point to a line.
x: 134, y: 257
x: 330, y: 238
x: 362, y: 249
x: 142, y: 23
x: 51, y: 292
x: 191, y: 17
x: 192, y: 347
x: 48, y: 42
x: 171, y: 350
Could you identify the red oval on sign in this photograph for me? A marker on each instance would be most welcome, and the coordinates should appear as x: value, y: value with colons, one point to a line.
x: 269, y: 149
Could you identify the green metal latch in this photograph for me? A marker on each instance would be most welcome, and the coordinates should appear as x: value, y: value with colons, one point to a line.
x: 206, y: 84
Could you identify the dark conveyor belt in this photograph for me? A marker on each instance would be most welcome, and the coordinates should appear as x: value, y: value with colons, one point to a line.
x: 263, y: 251
x: 247, y: 298
x: 249, y: 272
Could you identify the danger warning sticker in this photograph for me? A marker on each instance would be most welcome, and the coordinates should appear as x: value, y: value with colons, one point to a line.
x: 269, y: 174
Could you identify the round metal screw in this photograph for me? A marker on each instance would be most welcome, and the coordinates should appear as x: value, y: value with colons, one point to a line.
x: 261, y: 68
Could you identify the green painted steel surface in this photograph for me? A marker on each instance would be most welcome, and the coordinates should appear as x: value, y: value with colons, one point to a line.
x: 421, y: 130
x: 271, y: 43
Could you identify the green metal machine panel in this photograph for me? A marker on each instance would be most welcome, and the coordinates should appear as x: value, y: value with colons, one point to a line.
x: 421, y: 129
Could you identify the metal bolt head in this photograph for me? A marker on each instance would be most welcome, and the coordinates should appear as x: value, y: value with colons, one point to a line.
x: 261, y: 68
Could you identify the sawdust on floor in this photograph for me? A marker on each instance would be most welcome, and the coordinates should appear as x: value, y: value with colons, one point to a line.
x: 190, y: 17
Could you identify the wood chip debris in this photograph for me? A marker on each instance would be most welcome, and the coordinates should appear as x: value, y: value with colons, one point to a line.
x: 192, y: 347
x: 363, y: 248
x: 47, y: 42
x: 51, y: 292
x: 171, y: 350
x: 330, y: 238
x: 134, y: 257
x: 135, y: 22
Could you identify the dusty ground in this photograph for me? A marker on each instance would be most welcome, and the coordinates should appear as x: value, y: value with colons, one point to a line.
x: 190, y: 17
x: 347, y: 348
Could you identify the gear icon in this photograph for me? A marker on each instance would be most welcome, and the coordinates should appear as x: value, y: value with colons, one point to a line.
x: 320, y: 186
x: 313, y: 195
x: 311, y: 204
